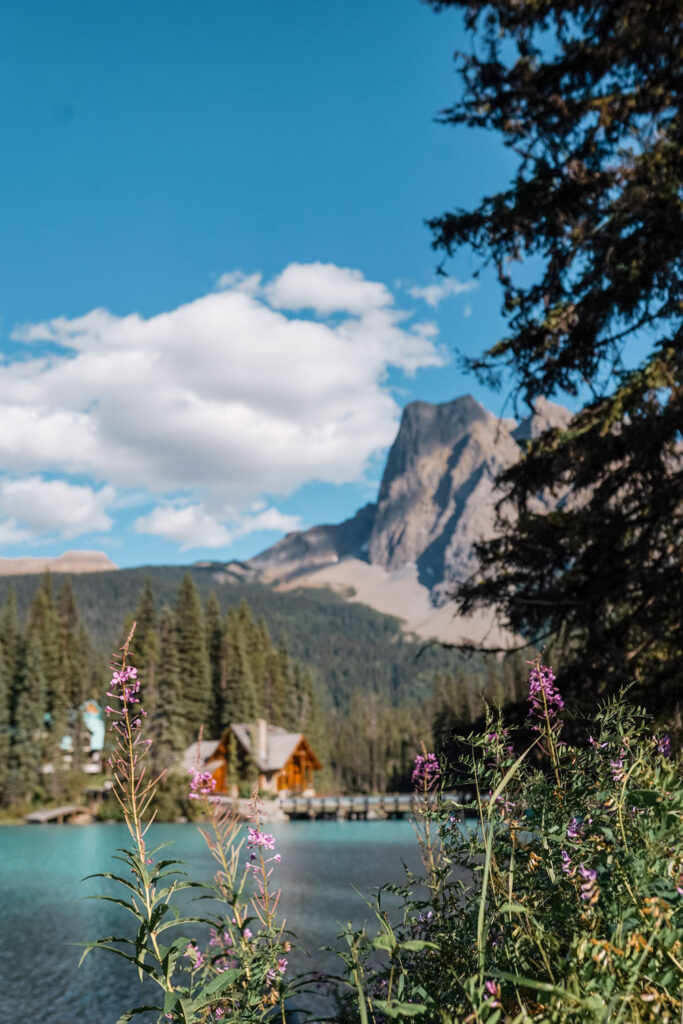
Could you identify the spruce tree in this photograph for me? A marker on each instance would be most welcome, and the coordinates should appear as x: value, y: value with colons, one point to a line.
x: 586, y: 242
x: 167, y: 726
x: 213, y: 623
x: 239, y: 701
x: 10, y: 633
x: 44, y: 629
x: 289, y: 697
x: 29, y: 720
x: 193, y: 662
x: 5, y: 683
x: 146, y: 642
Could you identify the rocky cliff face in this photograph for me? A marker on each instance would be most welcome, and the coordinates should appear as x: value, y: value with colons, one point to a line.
x: 298, y: 553
x: 437, y: 493
x: 437, y: 497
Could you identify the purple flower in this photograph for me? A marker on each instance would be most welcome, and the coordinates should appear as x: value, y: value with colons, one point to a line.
x: 426, y: 771
x: 277, y: 858
x: 567, y: 864
x: 202, y: 784
x: 589, y: 889
x: 256, y: 838
x: 247, y: 933
x: 492, y: 996
x: 664, y: 746
x: 195, y: 956
x: 282, y: 965
x: 545, y: 699
x: 574, y: 829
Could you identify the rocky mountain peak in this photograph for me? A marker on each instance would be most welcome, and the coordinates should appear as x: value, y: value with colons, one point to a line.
x: 437, y: 488
x: 436, y: 500
x: 545, y: 415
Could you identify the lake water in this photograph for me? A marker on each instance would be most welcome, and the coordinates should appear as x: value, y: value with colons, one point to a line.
x: 41, y: 918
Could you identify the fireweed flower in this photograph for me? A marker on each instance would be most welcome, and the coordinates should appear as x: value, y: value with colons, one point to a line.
x: 257, y: 838
x: 195, y: 955
x: 545, y: 699
x: 202, y: 784
x: 426, y: 772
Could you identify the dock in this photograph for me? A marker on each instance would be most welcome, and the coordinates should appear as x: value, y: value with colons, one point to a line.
x: 72, y: 813
x: 352, y: 808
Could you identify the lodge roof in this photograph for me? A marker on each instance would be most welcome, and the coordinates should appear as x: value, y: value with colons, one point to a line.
x: 280, y: 744
x: 198, y: 754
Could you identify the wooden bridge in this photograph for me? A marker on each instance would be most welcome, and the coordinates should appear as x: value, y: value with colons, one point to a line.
x: 354, y: 808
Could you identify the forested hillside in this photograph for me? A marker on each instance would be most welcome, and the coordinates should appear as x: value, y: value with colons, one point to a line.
x: 211, y: 652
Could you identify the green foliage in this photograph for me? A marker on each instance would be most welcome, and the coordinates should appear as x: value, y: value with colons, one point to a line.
x: 193, y: 661
x: 167, y: 727
x: 562, y: 903
x: 249, y: 677
x: 586, y: 242
x: 29, y: 726
x: 240, y: 974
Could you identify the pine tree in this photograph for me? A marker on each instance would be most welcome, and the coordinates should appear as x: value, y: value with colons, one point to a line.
x: 10, y: 634
x: 213, y: 623
x: 167, y: 727
x: 239, y: 703
x: 289, y: 697
x: 9, y: 650
x: 146, y: 642
x: 44, y: 627
x: 5, y: 683
x: 193, y: 662
x: 29, y: 720
x: 586, y: 242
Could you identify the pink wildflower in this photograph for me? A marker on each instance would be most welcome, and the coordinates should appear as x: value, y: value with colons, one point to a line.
x: 426, y: 771
x: 256, y: 838
x: 202, y: 784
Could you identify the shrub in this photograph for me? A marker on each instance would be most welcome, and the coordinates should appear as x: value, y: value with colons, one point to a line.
x: 562, y: 903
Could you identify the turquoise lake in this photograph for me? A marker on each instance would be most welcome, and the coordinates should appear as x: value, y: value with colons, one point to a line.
x: 43, y: 915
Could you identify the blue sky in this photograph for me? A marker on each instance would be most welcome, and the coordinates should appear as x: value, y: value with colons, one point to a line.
x: 212, y: 282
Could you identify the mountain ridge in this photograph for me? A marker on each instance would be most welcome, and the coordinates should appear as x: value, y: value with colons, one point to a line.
x: 437, y: 497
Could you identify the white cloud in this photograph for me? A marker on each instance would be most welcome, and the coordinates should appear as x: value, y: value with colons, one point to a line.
x: 433, y: 294
x: 192, y: 525
x: 11, y: 533
x: 270, y: 519
x: 35, y: 507
x: 326, y: 289
x: 227, y: 396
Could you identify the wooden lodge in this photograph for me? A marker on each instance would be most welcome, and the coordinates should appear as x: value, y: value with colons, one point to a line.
x: 280, y: 762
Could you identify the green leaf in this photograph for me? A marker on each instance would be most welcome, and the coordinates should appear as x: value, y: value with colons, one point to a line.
x: 514, y: 908
x: 121, y: 903
x: 114, y: 878
x: 414, y: 945
x: 642, y: 797
x: 215, y: 988
x: 129, y: 1014
x: 385, y: 941
x: 396, y: 1010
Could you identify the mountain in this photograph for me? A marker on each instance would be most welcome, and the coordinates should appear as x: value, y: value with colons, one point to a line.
x: 437, y: 497
x: 69, y: 562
